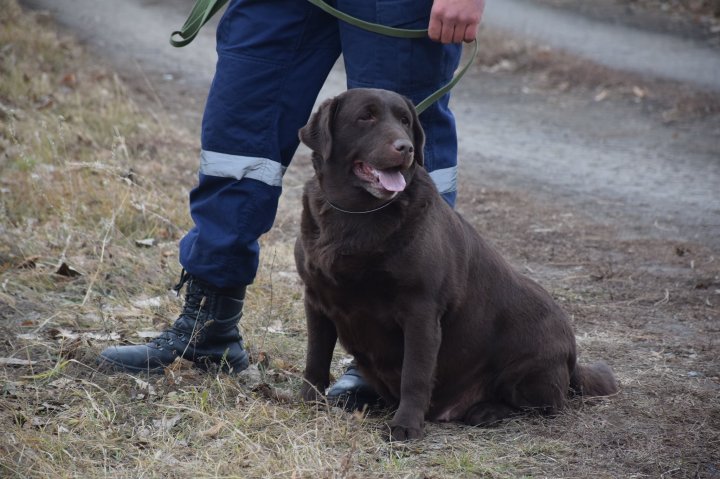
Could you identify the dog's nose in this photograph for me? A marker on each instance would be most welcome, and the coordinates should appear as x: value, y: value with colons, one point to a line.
x: 403, y: 146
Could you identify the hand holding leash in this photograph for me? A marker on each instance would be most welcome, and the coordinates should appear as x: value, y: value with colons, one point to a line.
x: 455, y: 21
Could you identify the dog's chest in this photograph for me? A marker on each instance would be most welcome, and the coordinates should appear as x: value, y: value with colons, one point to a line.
x: 350, y: 292
x: 368, y: 320
x: 356, y: 301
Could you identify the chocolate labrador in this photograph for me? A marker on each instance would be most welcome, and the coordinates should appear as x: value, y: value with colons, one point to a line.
x: 438, y: 322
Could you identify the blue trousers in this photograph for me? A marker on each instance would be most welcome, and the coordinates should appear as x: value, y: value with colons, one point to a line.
x: 273, y: 58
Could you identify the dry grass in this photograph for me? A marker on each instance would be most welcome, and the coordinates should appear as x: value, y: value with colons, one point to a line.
x: 85, y: 173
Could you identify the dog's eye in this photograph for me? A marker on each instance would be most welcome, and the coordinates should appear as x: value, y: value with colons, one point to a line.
x: 367, y: 116
x: 405, y: 120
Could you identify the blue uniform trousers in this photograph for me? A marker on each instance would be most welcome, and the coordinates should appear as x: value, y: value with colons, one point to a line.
x: 273, y: 58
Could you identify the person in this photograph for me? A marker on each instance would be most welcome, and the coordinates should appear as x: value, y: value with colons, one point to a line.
x: 273, y: 58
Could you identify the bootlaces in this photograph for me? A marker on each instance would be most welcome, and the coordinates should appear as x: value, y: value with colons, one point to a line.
x: 194, y: 301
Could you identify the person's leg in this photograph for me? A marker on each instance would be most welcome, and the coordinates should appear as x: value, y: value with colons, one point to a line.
x: 414, y: 68
x: 273, y: 57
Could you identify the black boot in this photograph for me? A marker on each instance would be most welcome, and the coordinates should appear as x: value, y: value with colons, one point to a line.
x: 206, y: 332
x: 352, y: 392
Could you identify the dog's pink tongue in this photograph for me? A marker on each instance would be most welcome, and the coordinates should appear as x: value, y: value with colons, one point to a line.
x: 391, y: 180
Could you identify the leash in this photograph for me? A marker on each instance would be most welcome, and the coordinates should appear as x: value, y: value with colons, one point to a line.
x: 199, y: 16
x: 203, y: 10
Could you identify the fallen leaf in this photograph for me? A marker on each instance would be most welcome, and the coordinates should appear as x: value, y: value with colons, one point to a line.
x: 29, y: 263
x: 62, y: 383
x: 101, y: 336
x: 62, y: 333
x: 251, y: 375
x: 46, y: 406
x: 16, y: 362
x: 601, y: 96
x: 181, y: 364
x: 146, y: 243
x: 37, y: 421
x: 144, y: 385
x: 68, y: 271
x: 29, y: 336
x: 167, y: 458
x: 155, y: 302
x: 213, y: 431
x: 165, y: 424
x: 272, y: 393
x: 69, y: 80
x: 276, y: 327
x: 45, y: 102
x: 83, y: 140
x: 284, y: 365
x: 10, y: 388
x: 263, y: 360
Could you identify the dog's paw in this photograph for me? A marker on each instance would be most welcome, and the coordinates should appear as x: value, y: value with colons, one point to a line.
x: 311, y: 394
x: 403, y: 433
x: 407, y: 425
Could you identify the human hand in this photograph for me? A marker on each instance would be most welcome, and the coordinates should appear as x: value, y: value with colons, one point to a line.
x: 455, y: 21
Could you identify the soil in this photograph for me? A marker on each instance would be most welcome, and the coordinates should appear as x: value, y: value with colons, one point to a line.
x: 603, y: 185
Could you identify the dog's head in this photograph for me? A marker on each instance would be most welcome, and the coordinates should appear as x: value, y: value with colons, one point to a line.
x: 369, y: 138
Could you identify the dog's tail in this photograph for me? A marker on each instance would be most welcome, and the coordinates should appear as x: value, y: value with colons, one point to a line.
x: 597, y: 379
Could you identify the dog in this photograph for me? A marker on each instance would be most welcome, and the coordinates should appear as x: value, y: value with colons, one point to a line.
x: 438, y: 322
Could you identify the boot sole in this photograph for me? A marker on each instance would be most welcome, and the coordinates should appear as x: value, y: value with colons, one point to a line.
x: 106, y: 364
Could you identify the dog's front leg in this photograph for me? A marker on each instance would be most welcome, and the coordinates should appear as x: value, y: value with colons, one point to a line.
x: 422, y: 336
x: 322, y: 337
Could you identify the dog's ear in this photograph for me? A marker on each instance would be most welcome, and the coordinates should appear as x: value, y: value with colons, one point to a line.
x: 418, y: 135
x: 317, y: 134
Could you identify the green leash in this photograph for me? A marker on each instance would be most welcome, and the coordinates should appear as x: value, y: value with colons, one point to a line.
x: 204, y: 9
x: 199, y: 15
